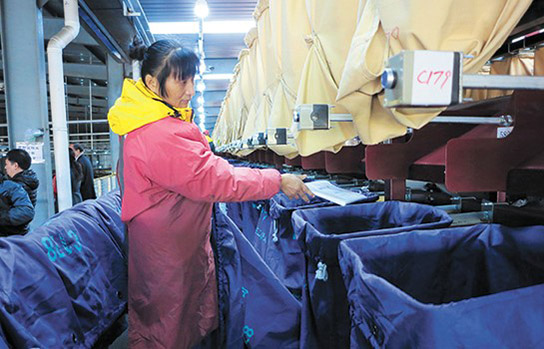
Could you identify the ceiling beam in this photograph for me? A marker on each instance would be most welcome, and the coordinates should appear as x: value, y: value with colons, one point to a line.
x: 52, y: 26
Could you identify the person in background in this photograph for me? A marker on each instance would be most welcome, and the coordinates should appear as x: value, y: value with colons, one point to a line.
x: 209, y: 139
x: 87, y: 184
x: 76, y: 176
x: 17, y: 169
x: 16, y: 210
x: 171, y: 180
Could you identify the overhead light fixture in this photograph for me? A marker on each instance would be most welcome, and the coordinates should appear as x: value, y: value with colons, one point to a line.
x: 201, y: 9
x: 210, y: 27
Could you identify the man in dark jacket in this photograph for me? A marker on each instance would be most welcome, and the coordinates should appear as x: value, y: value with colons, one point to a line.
x: 87, y: 184
x: 17, y: 169
x: 16, y: 210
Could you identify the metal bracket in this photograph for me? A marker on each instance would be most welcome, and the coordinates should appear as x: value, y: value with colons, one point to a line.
x: 279, y: 136
x: 259, y: 139
x: 317, y: 117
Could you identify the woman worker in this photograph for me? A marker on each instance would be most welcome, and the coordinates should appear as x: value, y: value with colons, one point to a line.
x: 171, y: 180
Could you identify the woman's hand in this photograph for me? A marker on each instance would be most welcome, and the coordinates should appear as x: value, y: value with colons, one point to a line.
x: 294, y: 187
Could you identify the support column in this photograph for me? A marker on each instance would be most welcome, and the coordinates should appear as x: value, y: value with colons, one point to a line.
x: 26, y: 93
x: 115, y: 84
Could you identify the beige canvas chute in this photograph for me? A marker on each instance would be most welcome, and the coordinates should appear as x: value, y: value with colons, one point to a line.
x: 475, y: 27
x: 247, y: 82
x: 289, y: 23
x: 267, y: 38
x: 360, y: 80
x: 274, y: 108
x: 220, y: 132
x: 254, y: 70
x: 333, y: 24
x: 245, y: 92
x: 233, y: 106
x: 238, y: 112
x: 268, y: 62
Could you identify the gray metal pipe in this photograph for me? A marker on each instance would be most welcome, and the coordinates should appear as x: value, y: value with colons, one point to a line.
x: 503, y: 82
x: 503, y: 120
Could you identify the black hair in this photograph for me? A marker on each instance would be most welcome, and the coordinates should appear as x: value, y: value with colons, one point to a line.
x: 74, y: 165
x: 163, y: 58
x: 21, y: 157
x: 79, y: 147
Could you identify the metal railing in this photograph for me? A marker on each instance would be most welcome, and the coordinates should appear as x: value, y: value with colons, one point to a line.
x: 104, y: 185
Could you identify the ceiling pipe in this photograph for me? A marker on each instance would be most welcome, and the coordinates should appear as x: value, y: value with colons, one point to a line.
x: 58, y: 101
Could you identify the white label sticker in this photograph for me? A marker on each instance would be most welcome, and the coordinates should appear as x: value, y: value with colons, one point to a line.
x: 503, y: 132
x: 433, y: 76
x: 35, y: 149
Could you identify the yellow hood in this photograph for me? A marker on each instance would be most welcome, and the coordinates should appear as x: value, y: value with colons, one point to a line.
x: 139, y: 106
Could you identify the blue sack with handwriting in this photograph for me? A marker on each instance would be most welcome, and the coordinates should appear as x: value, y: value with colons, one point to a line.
x: 65, y: 283
x: 256, y: 310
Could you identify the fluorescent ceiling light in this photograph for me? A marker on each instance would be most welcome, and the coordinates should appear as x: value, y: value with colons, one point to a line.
x: 536, y: 32
x: 210, y: 27
x: 201, y: 9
